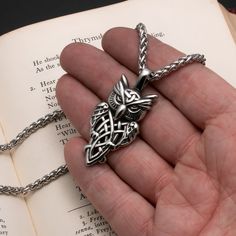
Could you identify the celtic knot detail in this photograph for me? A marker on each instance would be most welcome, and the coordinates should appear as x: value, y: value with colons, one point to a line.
x: 114, y: 124
x: 107, y: 135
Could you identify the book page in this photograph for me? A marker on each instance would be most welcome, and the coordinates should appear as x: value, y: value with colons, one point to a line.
x: 30, y: 69
x: 12, y: 208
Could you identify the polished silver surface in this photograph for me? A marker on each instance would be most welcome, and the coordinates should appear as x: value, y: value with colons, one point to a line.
x: 114, y: 124
x: 143, y: 79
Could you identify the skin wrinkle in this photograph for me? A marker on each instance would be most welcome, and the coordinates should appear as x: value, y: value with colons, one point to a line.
x: 223, y: 189
x: 212, y: 217
x: 147, y: 228
x: 194, y: 96
x: 219, y: 190
x: 229, y: 196
x: 162, y: 102
x: 187, y: 204
x: 225, y: 112
x: 84, y: 124
x: 228, y: 227
x: 215, y: 181
x: 190, y: 91
x: 187, y: 144
x: 124, y: 151
x: 159, y: 155
x: 118, y: 204
x: 217, y: 202
x: 204, y: 228
x: 218, y: 166
x: 207, y: 175
x: 181, y: 162
x: 199, y: 156
x: 161, y: 179
x: 190, y: 204
x: 222, y: 108
x: 225, y: 186
x: 219, y: 169
x: 88, y: 186
x: 161, y: 182
x: 219, y: 122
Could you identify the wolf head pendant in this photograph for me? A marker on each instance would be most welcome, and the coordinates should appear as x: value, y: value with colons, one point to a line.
x: 114, y: 124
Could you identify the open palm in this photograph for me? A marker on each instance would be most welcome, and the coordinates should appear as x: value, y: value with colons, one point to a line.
x: 179, y: 177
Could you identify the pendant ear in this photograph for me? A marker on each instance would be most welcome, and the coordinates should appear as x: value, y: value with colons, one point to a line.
x: 124, y: 81
x: 152, y: 97
x: 145, y: 102
x: 148, y: 100
x: 121, y: 85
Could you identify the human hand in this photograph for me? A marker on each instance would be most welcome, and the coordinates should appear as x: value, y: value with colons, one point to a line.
x: 179, y: 177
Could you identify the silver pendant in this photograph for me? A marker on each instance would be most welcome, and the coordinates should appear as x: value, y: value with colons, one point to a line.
x: 114, y: 123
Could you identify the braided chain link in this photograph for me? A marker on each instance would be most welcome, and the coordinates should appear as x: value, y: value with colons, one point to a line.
x: 25, y: 133
x: 21, y: 137
x: 39, y: 183
x: 182, y: 61
x: 42, y: 122
x: 163, y: 72
x: 143, y: 43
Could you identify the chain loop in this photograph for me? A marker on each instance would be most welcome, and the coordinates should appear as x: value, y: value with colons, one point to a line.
x: 33, y: 127
x: 21, y: 137
x: 39, y: 183
x: 182, y: 61
x: 165, y: 71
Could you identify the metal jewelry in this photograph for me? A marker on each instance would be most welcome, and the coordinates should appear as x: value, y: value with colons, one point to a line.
x: 114, y: 123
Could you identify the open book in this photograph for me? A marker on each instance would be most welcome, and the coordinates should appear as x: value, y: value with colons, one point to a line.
x: 29, y: 69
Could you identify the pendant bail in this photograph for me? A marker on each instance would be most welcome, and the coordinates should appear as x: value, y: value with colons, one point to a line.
x: 143, y: 79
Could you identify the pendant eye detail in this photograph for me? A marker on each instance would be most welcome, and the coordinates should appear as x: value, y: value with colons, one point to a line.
x: 118, y: 99
x: 112, y: 101
x: 133, y: 108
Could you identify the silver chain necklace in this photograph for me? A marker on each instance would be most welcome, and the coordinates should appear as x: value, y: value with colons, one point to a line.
x: 113, y: 124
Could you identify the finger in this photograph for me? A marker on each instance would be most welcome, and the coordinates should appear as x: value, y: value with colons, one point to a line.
x: 163, y: 122
x: 198, y: 92
x: 77, y: 102
x: 130, y: 162
x: 127, y: 211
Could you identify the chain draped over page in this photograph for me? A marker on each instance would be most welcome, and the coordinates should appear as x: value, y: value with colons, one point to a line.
x: 21, y: 137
